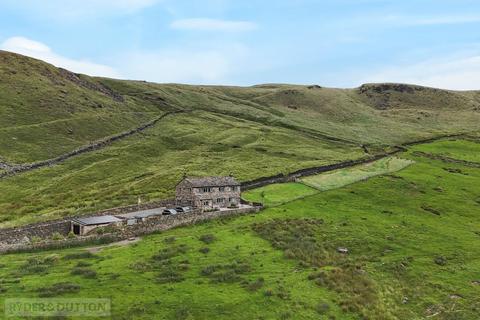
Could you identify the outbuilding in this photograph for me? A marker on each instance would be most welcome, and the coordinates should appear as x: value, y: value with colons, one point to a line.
x: 83, y: 226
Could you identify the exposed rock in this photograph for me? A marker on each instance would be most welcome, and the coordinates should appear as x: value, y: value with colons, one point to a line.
x: 342, y: 250
x: 440, y: 260
x: 75, y: 78
x: 385, y: 87
x: 430, y: 209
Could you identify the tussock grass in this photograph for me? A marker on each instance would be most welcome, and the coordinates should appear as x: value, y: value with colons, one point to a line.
x: 58, y: 289
x: 84, y: 272
x: 80, y: 255
x: 227, y: 273
x: 208, y: 238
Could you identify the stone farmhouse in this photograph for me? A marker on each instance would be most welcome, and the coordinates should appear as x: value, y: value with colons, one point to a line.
x: 208, y: 193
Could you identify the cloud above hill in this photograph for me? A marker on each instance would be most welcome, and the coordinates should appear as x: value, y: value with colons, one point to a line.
x: 192, y: 65
x: 458, y: 72
x: 41, y: 51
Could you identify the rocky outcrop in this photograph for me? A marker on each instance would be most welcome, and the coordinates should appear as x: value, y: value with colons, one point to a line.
x: 76, y: 78
x: 391, y: 87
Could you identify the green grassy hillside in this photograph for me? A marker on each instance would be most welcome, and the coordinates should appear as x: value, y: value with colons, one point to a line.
x: 248, y: 131
x: 413, y: 248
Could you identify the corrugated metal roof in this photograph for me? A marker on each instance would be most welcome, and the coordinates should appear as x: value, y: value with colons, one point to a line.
x: 96, y: 220
x: 212, y: 181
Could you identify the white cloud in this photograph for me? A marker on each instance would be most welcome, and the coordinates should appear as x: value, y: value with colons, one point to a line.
x: 41, y: 51
x: 205, y: 24
x: 459, y: 72
x: 193, y: 66
x: 214, y: 65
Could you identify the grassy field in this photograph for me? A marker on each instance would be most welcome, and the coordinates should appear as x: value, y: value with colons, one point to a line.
x: 275, y: 194
x: 343, y: 177
x: 455, y: 149
x: 413, y: 248
x: 279, y: 193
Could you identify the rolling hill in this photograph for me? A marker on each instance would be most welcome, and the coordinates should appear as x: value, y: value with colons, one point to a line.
x: 46, y: 112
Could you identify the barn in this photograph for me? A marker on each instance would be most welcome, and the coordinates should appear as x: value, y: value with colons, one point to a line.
x: 83, y: 226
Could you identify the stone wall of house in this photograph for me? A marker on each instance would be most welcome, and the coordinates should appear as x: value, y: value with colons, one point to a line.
x: 184, y: 194
x: 230, y: 192
x: 189, y: 196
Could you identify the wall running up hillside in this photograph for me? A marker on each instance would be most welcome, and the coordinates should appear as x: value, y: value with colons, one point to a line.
x: 15, y: 169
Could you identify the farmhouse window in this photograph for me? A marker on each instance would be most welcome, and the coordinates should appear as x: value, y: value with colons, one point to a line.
x: 207, y: 190
x: 220, y: 200
x: 206, y: 203
x: 221, y: 189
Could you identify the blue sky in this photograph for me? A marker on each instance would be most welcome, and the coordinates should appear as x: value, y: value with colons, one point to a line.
x: 337, y: 43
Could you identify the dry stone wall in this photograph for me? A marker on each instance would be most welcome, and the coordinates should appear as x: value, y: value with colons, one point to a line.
x: 41, y: 231
x: 156, y: 224
x: 46, y: 230
x: 281, y: 178
x: 88, y: 148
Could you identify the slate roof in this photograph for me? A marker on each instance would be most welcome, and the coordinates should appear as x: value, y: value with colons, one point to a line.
x: 211, y: 181
x: 96, y: 220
